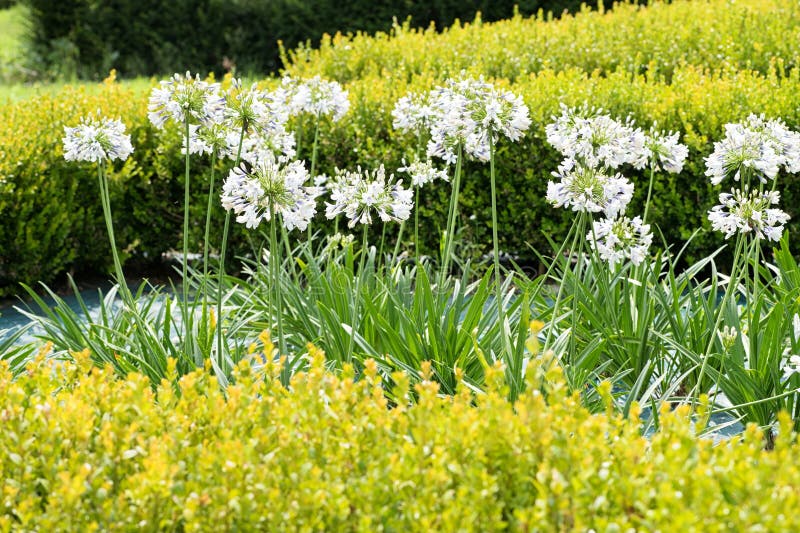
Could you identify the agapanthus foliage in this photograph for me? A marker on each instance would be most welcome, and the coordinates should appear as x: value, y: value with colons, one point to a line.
x: 97, y: 139
x: 268, y: 187
x: 619, y: 239
x: 586, y: 189
x: 358, y: 194
x: 183, y: 98
x: 749, y: 213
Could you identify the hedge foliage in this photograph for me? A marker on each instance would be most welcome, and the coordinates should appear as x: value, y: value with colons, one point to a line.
x: 145, y: 37
x: 655, y: 40
x: 84, y: 450
x: 50, y: 219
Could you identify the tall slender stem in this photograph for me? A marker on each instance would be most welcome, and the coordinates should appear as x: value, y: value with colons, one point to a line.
x: 314, y: 165
x: 451, y: 222
x: 105, y: 200
x: 496, y: 246
x: 275, y: 265
x: 222, y: 254
x: 416, y: 223
x: 357, y: 294
x: 649, y: 193
x: 187, y: 334
x: 209, y: 207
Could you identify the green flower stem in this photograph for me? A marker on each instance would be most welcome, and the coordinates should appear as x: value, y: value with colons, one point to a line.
x: 356, y: 294
x: 275, y: 265
x: 497, y: 276
x: 733, y: 282
x: 416, y: 223
x: 105, y: 200
x: 578, y: 225
x: 451, y: 222
x: 578, y: 276
x: 222, y: 254
x: 314, y: 165
x: 649, y: 193
x: 185, y: 263
x: 397, y: 244
x: 208, y: 220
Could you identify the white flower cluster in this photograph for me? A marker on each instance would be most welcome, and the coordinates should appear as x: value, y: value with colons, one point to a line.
x: 751, y: 212
x: 594, y: 146
x: 621, y: 238
x: 423, y: 172
x: 590, y: 190
x: 270, y: 187
x: 757, y: 147
x: 357, y: 194
x: 754, y: 149
x: 412, y: 113
x: 464, y: 113
x: 596, y: 140
x: 96, y: 139
x: 315, y: 96
x: 184, y: 98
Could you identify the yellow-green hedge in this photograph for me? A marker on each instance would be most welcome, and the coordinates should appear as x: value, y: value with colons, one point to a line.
x: 655, y: 38
x: 82, y: 450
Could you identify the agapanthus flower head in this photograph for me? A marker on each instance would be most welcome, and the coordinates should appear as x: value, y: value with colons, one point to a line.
x: 277, y: 144
x: 423, y: 172
x: 357, y: 194
x: 245, y: 107
x: 756, y: 147
x: 270, y: 187
x: 211, y: 139
x: 466, y: 111
x: 749, y: 212
x: 621, y: 238
x: 183, y: 98
x: 97, y: 139
x: 315, y: 96
x: 589, y: 190
x: 412, y: 113
x: 662, y: 150
x: 594, y: 139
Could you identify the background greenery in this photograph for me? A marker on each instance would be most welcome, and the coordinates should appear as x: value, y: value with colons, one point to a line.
x: 86, y: 38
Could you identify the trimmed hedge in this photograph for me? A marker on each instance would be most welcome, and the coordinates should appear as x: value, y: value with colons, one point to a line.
x: 149, y: 37
x: 83, y: 450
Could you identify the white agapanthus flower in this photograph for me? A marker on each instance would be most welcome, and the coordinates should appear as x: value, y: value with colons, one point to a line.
x: 589, y: 190
x: 423, y: 172
x: 412, y: 113
x: 357, y: 194
x: 466, y: 112
x: 662, y: 151
x: 207, y: 140
x: 270, y: 186
x: 247, y: 108
x: 183, y: 97
x: 279, y: 144
x: 741, y: 212
x: 96, y: 139
x: 315, y: 96
x: 620, y: 239
x: 594, y: 139
x: 756, y: 147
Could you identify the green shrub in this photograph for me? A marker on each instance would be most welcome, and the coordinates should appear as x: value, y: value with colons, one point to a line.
x: 654, y: 40
x: 83, y: 450
x: 88, y: 37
